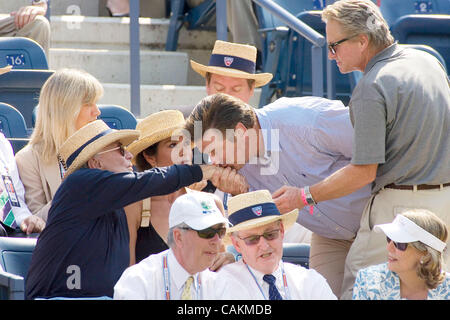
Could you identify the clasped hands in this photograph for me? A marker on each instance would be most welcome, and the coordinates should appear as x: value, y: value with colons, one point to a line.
x: 226, y: 179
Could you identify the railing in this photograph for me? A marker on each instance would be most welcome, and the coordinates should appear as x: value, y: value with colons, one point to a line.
x: 317, y: 40
x: 135, y: 60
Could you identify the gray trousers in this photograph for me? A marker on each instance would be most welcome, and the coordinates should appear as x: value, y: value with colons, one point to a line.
x: 38, y: 30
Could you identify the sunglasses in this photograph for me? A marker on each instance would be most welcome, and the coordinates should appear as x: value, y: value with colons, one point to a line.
x: 209, y: 233
x: 399, y: 245
x: 120, y: 148
x: 269, y: 236
x: 333, y: 45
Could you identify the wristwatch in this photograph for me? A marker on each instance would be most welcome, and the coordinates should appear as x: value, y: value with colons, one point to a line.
x: 308, y: 196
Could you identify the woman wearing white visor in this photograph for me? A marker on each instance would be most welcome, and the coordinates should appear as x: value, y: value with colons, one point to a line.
x: 414, y: 271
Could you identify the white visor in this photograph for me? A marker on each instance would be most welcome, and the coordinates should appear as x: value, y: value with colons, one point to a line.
x: 404, y: 230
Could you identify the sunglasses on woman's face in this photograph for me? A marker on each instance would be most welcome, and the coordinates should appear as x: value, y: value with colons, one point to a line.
x: 210, y: 232
x: 399, y: 245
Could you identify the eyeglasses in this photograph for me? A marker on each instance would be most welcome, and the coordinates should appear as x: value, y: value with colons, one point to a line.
x: 209, y: 233
x: 399, y: 245
x: 120, y: 148
x: 269, y: 236
x: 332, y: 46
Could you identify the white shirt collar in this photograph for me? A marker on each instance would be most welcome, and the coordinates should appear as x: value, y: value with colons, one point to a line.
x: 177, y: 273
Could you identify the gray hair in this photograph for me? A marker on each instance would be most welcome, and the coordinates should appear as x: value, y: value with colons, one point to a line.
x: 360, y: 17
x: 170, y: 238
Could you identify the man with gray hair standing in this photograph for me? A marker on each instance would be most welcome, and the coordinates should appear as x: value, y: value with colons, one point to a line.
x: 400, y: 111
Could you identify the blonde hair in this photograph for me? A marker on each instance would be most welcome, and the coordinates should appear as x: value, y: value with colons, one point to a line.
x: 61, y: 99
x: 430, y: 268
x: 360, y: 17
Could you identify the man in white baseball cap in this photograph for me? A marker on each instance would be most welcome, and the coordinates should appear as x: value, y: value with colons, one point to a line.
x: 196, y: 229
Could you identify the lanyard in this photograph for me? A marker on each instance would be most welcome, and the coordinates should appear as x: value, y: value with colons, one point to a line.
x: 285, y: 284
x: 166, y: 274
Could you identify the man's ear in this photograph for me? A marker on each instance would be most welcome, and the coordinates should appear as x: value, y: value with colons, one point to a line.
x: 240, y: 129
x: 236, y: 244
x: 94, y: 163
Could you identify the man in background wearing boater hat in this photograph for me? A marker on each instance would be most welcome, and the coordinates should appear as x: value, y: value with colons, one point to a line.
x: 257, y: 233
x: 84, y: 248
x: 232, y: 70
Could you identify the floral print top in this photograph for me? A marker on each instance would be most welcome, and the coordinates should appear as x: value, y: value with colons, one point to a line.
x: 379, y: 283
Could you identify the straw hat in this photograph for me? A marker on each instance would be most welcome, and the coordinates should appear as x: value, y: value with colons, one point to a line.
x: 155, y: 128
x: 254, y: 209
x: 88, y: 141
x: 5, y: 69
x: 233, y: 60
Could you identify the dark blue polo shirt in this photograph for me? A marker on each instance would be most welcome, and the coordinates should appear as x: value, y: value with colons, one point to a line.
x: 84, y: 247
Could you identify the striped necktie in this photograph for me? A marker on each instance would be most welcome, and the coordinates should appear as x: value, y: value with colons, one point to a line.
x: 186, y: 295
x: 274, y: 294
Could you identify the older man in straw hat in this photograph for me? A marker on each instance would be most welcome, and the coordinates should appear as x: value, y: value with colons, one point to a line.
x: 85, y: 246
x: 232, y: 70
x: 257, y: 233
x: 196, y: 229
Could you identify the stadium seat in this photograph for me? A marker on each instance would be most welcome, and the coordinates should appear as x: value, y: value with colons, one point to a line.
x: 12, y: 123
x: 428, y: 29
x: 11, y: 286
x: 287, y: 55
x: 195, y: 18
x: 15, y: 254
x: 13, y: 126
x: 22, y: 53
x: 392, y: 10
x: 15, y: 258
x: 21, y: 89
x: 117, y: 117
x: 296, y: 253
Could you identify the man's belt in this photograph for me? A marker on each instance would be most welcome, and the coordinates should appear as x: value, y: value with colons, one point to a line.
x: 419, y: 186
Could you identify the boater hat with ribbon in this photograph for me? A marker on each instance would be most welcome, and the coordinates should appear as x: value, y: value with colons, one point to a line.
x: 254, y: 209
x: 155, y: 128
x: 90, y: 140
x: 233, y: 60
x: 5, y: 69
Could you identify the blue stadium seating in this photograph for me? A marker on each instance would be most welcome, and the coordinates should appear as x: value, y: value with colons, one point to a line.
x: 117, y: 117
x: 196, y: 18
x: 296, y: 253
x: 287, y: 55
x: 15, y: 254
x: 13, y: 126
x: 21, y: 89
x: 429, y: 29
x: 22, y: 53
x: 392, y: 10
x: 12, y: 123
x: 15, y: 258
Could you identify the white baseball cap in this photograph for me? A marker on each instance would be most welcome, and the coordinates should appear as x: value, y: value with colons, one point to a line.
x: 197, y: 209
x: 404, y: 230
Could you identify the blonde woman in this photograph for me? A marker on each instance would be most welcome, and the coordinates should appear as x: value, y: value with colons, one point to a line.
x: 67, y: 102
x: 415, y: 267
x: 148, y: 220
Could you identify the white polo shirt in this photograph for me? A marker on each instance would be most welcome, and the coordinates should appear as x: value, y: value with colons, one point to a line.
x: 146, y: 280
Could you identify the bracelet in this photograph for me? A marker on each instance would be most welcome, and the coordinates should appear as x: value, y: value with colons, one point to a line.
x: 304, y: 192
